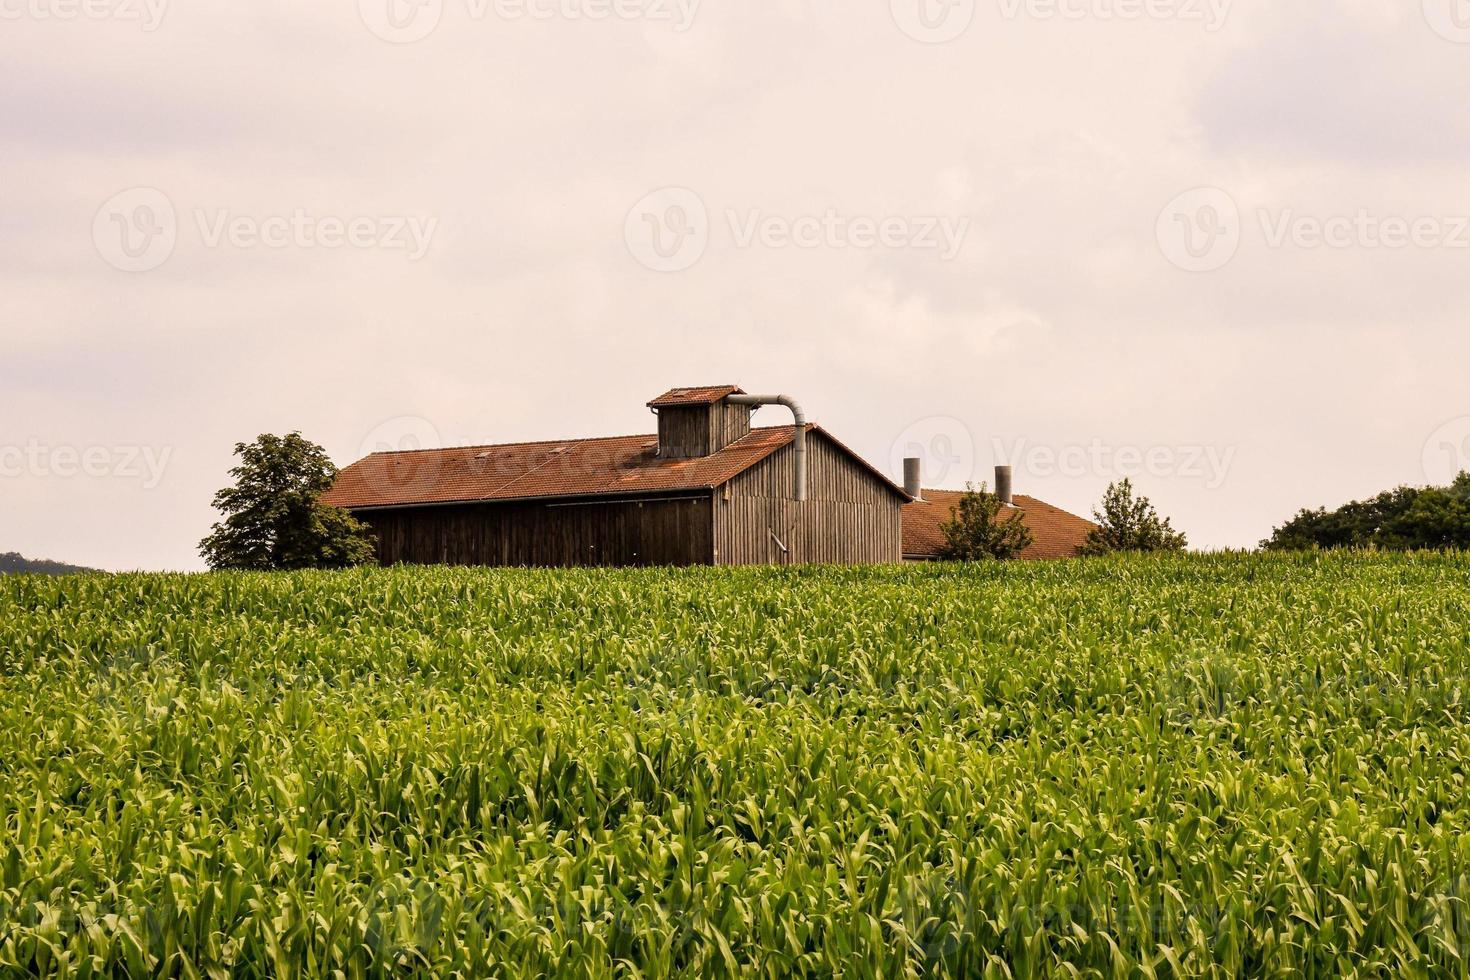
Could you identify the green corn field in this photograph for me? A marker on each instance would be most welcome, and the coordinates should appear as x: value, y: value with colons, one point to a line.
x: 1235, y: 765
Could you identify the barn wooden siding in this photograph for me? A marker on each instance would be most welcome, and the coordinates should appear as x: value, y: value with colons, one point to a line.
x: 668, y: 531
x: 728, y: 423
x: 850, y: 516
x: 700, y: 430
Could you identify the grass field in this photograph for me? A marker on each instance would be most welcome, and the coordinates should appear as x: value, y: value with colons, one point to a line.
x: 1195, y: 766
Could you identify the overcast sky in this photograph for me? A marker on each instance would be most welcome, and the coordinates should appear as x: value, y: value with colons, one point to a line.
x: 1222, y: 247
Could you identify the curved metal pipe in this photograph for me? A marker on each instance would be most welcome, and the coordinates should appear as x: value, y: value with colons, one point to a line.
x: 800, y: 444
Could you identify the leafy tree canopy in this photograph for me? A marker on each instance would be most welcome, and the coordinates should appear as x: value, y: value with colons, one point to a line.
x: 974, y: 532
x: 13, y: 563
x: 1129, y: 523
x: 1405, y: 519
x: 274, y: 518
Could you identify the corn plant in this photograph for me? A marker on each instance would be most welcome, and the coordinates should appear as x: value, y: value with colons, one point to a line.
x: 1184, y: 766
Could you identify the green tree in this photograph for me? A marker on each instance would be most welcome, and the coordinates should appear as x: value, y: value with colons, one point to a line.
x: 1403, y: 519
x: 1129, y: 523
x: 975, y: 533
x: 274, y: 518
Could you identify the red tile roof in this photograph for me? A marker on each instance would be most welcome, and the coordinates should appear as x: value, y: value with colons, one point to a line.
x: 694, y: 396
x: 1056, y: 533
x: 567, y: 468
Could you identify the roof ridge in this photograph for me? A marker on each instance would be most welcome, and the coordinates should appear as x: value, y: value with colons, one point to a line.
x: 553, y: 442
x: 1015, y: 497
x: 512, y: 445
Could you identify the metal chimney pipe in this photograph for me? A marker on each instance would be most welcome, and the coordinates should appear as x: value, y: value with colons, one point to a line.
x: 1003, y: 484
x: 800, y: 417
x: 913, y: 481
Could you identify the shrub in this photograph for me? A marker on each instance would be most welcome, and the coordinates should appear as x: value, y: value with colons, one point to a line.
x: 975, y: 533
x: 1129, y: 523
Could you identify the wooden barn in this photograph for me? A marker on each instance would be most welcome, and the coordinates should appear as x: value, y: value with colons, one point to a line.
x: 706, y: 489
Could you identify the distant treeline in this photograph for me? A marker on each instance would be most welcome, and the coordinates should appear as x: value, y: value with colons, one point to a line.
x: 15, y: 564
x: 1406, y: 519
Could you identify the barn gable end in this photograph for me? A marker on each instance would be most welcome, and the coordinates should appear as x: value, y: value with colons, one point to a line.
x: 852, y: 515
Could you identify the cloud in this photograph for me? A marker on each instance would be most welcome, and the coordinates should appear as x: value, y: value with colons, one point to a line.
x: 1354, y: 87
x: 1059, y: 320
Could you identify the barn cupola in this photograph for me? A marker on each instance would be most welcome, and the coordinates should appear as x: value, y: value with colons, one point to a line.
x: 695, y: 422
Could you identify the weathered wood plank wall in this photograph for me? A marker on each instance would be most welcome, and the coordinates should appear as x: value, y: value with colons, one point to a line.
x: 688, y: 432
x: 656, y: 532
x: 850, y: 516
x: 684, y: 433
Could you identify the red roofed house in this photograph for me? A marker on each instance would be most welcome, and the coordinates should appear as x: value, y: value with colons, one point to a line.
x: 706, y: 489
x: 1054, y: 532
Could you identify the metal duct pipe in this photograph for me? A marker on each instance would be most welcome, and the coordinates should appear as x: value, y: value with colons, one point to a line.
x: 913, y: 480
x: 785, y: 400
x: 1003, y: 484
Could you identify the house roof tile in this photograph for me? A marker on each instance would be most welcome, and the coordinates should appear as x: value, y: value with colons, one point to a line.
x: 564, y: 468
x: 707, y: 395
x: 1055, y: 532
